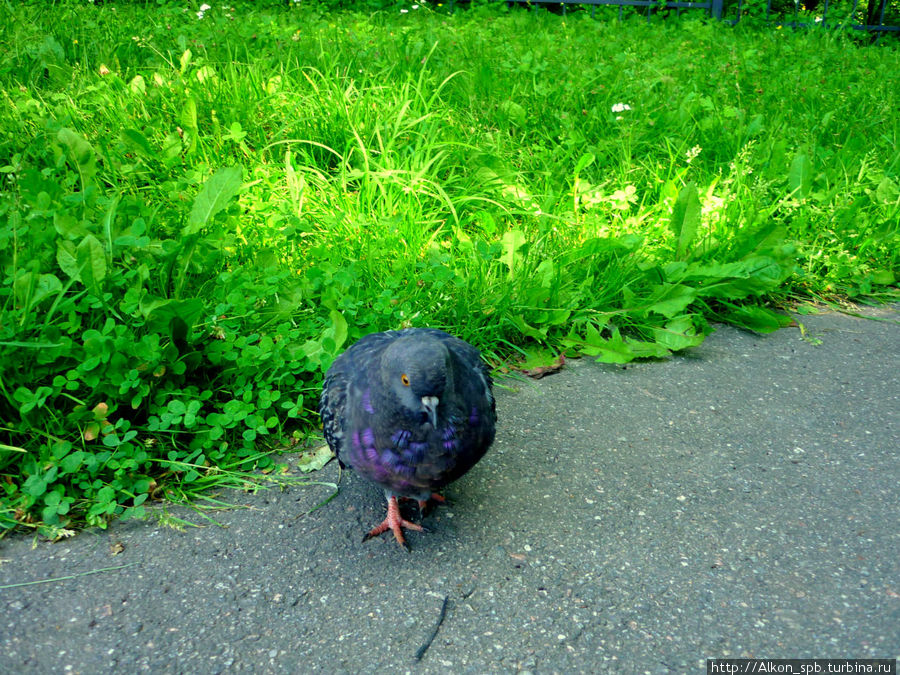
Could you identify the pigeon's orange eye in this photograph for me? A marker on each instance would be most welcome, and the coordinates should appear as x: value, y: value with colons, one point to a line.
x: 404, y: 378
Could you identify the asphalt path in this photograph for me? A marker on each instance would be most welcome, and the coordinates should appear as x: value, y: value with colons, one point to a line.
x: 742, y: 500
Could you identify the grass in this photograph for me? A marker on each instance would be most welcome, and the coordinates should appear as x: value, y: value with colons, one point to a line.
x: 198, y: 214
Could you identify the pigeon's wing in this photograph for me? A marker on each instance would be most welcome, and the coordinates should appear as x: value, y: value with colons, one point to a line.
x: 475, y: 406
x: 359, y: 358
x: 473, y: 375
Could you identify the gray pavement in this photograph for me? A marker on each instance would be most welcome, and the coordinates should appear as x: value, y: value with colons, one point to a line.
x: 741, y: 500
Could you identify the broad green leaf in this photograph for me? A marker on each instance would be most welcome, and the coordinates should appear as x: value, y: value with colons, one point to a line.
x: 584, y: 162
x: 23, y: 287
x: 607, y: 353
x: 189, y: 114
x: 672, y: 300
x: 52, y: 58
x: 887, y: 191
x: 488, y: 223
x: 752, y: 276
x: 189, y: 124
x: 647, y: 350
x: 35, y: 486
x: 171, y: 317
x: 206, y: 74
x: 337, y: 331
x: 755, y: 126
x: 220, y: 189
x: 676, y: 270
x: 313, y: 351
x: 613, y: 350
x: 515, y: 112
x: 68, y: 226
x: 138, y: 141
x: 315, y: 459
x: 80, y: 152
x: 557, y: 316
x: 546, y: 272
x: 685, y: 219
x: 512, y: 241
x: 179, y: 329
x: 185, y: 60
x: 764, y: 237
x: 678, y: 334
x: 138, y: 86
x: 539, y: 359
x: 758, y: 319
x: 882, y: 277
x: 539, y: 334
x: 70, y: 463
x: 46, y: 285
x: 91, y: 259
x: 800, y: 176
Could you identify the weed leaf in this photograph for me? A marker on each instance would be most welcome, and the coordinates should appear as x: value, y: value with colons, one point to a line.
x: 138, y: 141
x: 678, y: 334
x: 67, y: 259
x: 68, y: 226
x: 584, y: 162
x: 685, y: 219
x: 539, y: 334
x: 887, y: 191
x: 220, y: 189
x: 757, y: 319
x: 512, y: 241
x: 171, y: 317
x: 338, y: 330
x: 80, y: 152
x: 672, y: 299
x: 91, y: 260
x: 800, y: 175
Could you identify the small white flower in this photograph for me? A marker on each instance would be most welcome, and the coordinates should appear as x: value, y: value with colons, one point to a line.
x: 404, y: 11
x: 693, y: 152
x: 205, y: 7
x: 620, y: 107
x: 415, y: 7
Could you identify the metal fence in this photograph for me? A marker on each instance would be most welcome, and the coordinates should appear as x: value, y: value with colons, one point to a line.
x: 871, y: 17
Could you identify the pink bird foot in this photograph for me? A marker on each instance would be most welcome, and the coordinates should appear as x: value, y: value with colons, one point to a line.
x: 395, y: 523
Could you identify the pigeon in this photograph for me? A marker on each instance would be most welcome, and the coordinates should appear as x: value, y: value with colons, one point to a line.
x: 410, y: 410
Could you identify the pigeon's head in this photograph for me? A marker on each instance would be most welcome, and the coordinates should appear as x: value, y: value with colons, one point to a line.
x: 417, y: 369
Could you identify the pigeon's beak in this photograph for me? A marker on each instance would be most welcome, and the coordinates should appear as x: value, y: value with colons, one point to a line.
x: 430, y: 403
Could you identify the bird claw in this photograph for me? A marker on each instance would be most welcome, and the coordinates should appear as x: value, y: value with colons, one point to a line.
x: 425, y: 503
x: 395, y: 523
